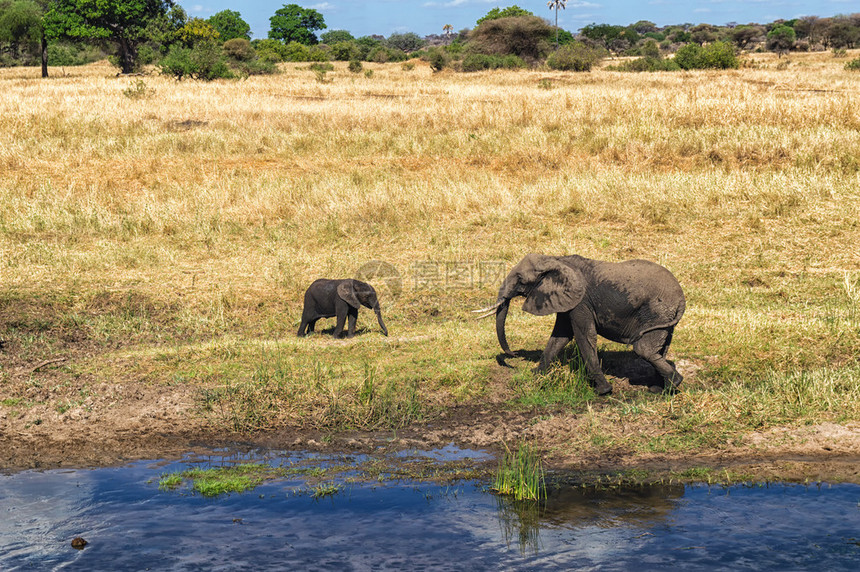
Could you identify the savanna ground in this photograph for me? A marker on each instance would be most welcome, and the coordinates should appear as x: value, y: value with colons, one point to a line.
x: 156, y: 238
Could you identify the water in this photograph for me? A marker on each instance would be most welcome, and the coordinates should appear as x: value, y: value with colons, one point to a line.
x: 132, y: 525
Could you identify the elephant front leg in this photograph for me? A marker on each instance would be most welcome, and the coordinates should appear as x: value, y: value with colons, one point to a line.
x: 585, y: 335
x: 352, y: 316
x: 340, y: 311
x: 560, y: 337
x: 306, y: 326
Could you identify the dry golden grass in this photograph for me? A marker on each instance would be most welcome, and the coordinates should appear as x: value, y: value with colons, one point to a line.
x: 178, y: 230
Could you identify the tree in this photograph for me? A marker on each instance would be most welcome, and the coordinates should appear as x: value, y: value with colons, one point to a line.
x: 447, y: 28
x: 527, y: 37
x: 21, y: 24
x: 195, y: 31
x: 407, y: 42
x: 230, y: 25
x: 602, y: 33
x: 703, y: 34
x: 555, y: 4
x: 122, y: 22
x: 743, y: 36
x: 841, y: 33
x: 22, y: 21
x: 292, y: 23
x: 336, y: 36
x: 510, y: 12
x: 781, y: 39
x: 645, y: 27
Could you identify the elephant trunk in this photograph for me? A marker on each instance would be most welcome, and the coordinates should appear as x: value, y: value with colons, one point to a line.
x: 501, y: 316
x: 378, y: 312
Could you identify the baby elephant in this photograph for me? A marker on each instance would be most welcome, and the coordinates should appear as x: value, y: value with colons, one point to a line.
x: 329, y: 298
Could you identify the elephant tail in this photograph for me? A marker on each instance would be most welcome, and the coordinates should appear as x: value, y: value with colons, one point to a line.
x: 671, y: 323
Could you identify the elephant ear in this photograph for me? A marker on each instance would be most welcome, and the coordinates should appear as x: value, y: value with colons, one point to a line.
x: 346, y: 290
x: 559, y: 289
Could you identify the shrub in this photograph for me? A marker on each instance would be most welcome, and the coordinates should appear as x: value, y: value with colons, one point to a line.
x: 718, y: 55
x: 296, y: 52
x: 575, y: 56
x: 647, y: 64
x: 438, y: 59
x: 853, y: 65
x: 355, y: 66
x: 689, y: 56
x: 204, y: 61
x: 320, y: 69
x: 382, y: 54
x: 73, y: 54
x: 239, y: 49
x: 270, y: 50
x: 345, y: 51
x: 256, y: 66
x: 480, y: 62
x: 138, y: 90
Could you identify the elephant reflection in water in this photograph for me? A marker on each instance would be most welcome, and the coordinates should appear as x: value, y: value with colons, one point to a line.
x: 573, y: 507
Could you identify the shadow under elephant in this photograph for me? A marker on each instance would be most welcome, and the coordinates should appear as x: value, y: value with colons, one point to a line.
x: 621, y: 364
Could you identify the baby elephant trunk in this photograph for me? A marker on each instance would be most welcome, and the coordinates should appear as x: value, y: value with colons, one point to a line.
x: 378, y: 312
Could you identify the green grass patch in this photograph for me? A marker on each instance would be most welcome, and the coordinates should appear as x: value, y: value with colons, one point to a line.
x: 564, y: 383
x: 315, y: 393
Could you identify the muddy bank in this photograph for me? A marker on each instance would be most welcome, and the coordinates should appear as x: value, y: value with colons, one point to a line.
x: 142, y: 422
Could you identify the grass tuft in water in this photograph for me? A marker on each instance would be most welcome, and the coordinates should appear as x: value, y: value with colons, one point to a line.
x: 218, y: 480
x: 323, y: 490
x: 521, y: 474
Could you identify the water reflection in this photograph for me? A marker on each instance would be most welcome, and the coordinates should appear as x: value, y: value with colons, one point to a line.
x: 131, y: 525
x: 577, y: 508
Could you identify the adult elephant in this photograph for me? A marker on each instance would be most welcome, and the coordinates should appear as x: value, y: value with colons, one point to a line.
x: 341, y: 299
x: 635, y: 302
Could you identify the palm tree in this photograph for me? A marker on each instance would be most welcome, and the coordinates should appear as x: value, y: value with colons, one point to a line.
x: 554, y: 5
x: 447, y: 29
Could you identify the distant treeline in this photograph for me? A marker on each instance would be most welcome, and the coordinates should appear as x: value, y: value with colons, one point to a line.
x: 137, y: 33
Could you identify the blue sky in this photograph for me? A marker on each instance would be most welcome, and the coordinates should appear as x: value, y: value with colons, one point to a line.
x: 425, y: 17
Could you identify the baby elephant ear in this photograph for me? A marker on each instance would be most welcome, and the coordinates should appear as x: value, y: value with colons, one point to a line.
x: 560, y: 289
x: 346, y: 290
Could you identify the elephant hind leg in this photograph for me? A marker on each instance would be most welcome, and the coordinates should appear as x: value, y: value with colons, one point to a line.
x: 653, y: 347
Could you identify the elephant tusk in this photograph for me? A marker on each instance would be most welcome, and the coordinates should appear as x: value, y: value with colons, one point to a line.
x: 487, y: 309
x: 487, y: 315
